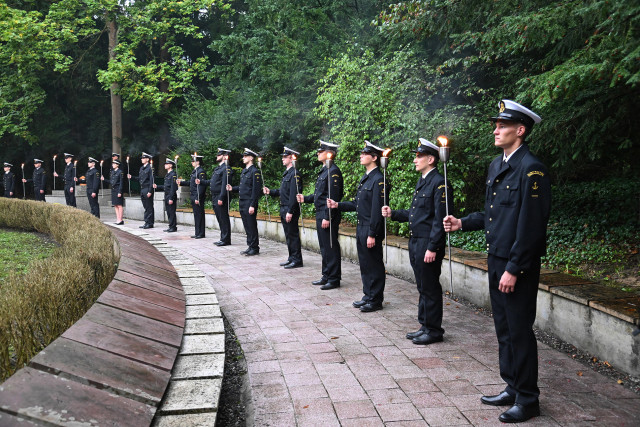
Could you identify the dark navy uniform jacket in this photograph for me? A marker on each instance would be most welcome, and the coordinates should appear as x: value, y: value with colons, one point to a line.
x: 288, y: 190
x: 39, y: 179
x: 319, y: 197
x: 68, y: 176
x: 92, y: 178
x: 218, y: 182
x: 517, y: 206
x: 170, y: 186
x: 115, y: 181
x: 8, y: 181
x: 428, y: 209
x: 250, y: 187
x: 370, y: 199
x: 195, y: 189
x: 146, y: 179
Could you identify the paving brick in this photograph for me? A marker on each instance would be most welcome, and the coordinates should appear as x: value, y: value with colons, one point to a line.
x: 198, y: 366
x: 202, y: 311
x: 187, y: 420
x: 204, y: 326
x: 202, y: 344
x: 185, y: 396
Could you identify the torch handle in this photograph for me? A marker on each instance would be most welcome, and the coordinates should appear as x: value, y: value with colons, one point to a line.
x: 128, y: 179
x: 24, y: 189
x: 266, y: 196
x: 54, y: 173
x: 226, y: 171
x: 446, y: 206
x: 384, y: 188
x: 295, y: 177
x: 329, y: 197
x: 101, y: 183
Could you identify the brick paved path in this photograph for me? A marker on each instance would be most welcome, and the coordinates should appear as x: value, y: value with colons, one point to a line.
x: 315, y: 360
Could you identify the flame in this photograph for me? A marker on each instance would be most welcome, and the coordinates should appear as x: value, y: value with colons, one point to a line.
x: 176, y: 158
x: 330, y: 155
x: 293, y: 156
x: 22, y: 166
x: 386, y: 152
x: 260, y: 159
x: 54, y: 157
x: 127, y: 159
x: 75, y: 162
x: 195, y: 153
x: 443, y: 140
x: 101, y: 162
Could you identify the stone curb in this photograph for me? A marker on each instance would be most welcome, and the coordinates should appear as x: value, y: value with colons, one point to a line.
x: 193, y: 393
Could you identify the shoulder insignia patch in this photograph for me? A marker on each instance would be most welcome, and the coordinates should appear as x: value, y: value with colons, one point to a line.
x: 530, y: 174
x: 441, y: 186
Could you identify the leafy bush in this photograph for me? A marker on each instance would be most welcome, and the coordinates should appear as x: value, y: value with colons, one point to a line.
x: 37, y: 307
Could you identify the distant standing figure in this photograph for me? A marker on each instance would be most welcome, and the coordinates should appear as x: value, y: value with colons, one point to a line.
x: 69, y: 181
x: 92, y: 179
x: 116, y: 181
x: 197, y: 193
x: 8, y: 180
x: 170, y: 188
x: 39, y: 181
x: 145, y: 177
x: 221, y: 176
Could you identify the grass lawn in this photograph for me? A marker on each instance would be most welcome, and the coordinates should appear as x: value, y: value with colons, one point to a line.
x: 19, y: 248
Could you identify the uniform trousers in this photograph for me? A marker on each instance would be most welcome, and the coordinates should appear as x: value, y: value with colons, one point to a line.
x: 171, y: 213
x: 94, y: 205
x: 198, y: 217
x: 292, y: 234
x: 372, y: 268
x: 147, y: 203
x: 331, y: 261
x: 250, y: 223
x: 70, y: 197
x: 428, y: 283
x: 222, y: 215
x: 513, y: 316
x: 39, y: 196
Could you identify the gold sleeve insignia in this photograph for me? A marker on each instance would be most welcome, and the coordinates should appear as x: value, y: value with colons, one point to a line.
x: 530, y: 174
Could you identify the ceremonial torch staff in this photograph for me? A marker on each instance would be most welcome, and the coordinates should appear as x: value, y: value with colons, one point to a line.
x: 384, y: 162
x: 54, y: 171
x: 294, y: 162
x: 444, y: 157
x: 226, y: 173
x: 195, y: 157
x: 101, y: 181
x: 75, y: 162
x: 266, y: 197
x: 328, y: 164
x: 24, y: 189
x: 175, y: 160
x: 128, y: 179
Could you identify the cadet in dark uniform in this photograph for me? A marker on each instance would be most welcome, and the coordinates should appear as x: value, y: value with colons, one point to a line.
x: 145, y: 177
x: 69, y: 180
x: 221, y: 176
x: 170, y: 188
x: 427, y: 241
x: 116, y: 181
x: 8, y: 180
x: 197, y: 190
x: 39, y: 181
x: 289, y: 208
x: 327, y: 235
x: 250, y: 189
x: 370, y: 199
x: 92, y: 179
x: 517, y: 205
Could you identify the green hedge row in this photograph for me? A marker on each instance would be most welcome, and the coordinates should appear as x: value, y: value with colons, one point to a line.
x: 37, y: 307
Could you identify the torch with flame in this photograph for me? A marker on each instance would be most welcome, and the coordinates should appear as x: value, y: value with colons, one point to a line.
x: 384, y: 162
x: 24, y: 190
x: 175, y: 160
x: 101, y: 180
x: 444, y: 157
x: 294, y: 162
x: 195, y: 156
x: 54, y: 171
x: 266, y: 196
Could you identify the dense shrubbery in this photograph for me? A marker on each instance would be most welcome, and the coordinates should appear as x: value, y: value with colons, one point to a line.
x: 37, y: 307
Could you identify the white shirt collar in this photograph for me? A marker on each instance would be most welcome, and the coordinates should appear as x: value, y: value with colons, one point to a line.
x: 425, y: 175
x: 506, y: 158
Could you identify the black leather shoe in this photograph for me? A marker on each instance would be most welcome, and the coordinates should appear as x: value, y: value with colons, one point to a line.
x: 501, y: 399
x: 120, y: 223
x: 293, y: 265
x: 330, y: 285
x: 194, y: 236
x: 143, y: 226
x: 252, y: 252
x: 245, y: 251
x: 358, y: 304
x: 147, y: 226
x: 416, y: 334
x: 171, y: 230
x: 282, y: 264
x: 426, y: 339
x: 520, y: 413
x: 369, y: 307
x: 199, y: 237
x: 319, y: 282
x: 221, y: 243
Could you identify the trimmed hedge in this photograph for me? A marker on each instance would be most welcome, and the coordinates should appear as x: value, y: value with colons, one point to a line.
x: 37, y: 307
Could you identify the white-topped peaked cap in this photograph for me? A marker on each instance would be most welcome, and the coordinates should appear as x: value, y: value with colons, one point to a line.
x: 427, y: 147
x: 68, y: 155
x: 327, y: 146
x: 146, y: 155
x: 511, y: 110
x: 248, y: 152
x: 372, y: 149
x: 288, y: 152
x: 91, y: 159
x: 37, y: 161
x: 8, y: 165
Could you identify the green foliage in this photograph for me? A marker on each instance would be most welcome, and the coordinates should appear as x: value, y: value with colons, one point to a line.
x: 37, y: 307
x: 19, y: 249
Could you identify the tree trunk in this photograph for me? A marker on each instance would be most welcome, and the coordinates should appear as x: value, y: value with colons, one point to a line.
x: 116, y: 100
